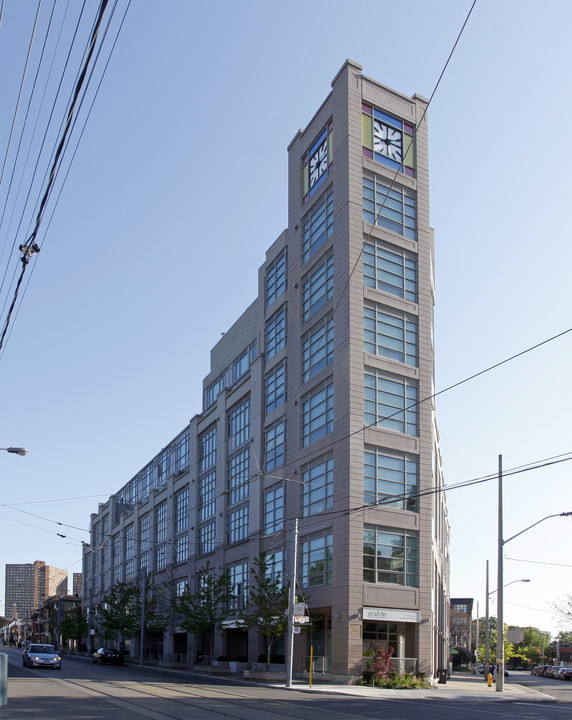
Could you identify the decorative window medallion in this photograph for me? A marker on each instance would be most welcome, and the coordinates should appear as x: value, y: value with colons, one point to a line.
x: 316, y: 162
x: 387, y: 140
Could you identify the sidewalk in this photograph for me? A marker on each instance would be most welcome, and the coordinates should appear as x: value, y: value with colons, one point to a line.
x: 458, y: 687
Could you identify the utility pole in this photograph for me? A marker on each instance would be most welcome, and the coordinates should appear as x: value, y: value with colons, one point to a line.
x: 291, y: 602
x: 500, y: 590
x: 487, y: 625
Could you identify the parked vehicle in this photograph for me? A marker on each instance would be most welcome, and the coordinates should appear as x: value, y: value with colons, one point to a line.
x: 566, y: 674
x: 546, y: 670
x: 108, y: 655
x: 41, y: 656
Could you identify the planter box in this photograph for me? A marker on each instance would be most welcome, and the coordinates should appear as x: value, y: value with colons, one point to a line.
x: 212, y: 669
x: 236, y: 666
x: 263, y: 676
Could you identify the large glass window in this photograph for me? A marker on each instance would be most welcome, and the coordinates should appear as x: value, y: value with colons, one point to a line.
x: 274, y: 510
x: 388, y: 205
x: 318, y: 286
x: 239, y: 584
x: 207, y: 538
x: 390, y: 334
x: 207, y: 444
x: 144, y: 532
x: 390, y: 402
x: 182, y: 510
x: 129, y: 541
x: 390, y: 557
x: 207, y: 504
x: 318, y: 413
x: 392, y: 271
x: 318, y: 225
x: 276, y: 329
x: 161, y: 522
x: 317, y: 560
x: 318, y: 488
x: 275, y: 388
x: 238, y: 467
x: 390, y: 479
x: 276, y: 278
x: 182, y: 549
x: 275, y: 565
x: 275, y: 445
x: 238, y: 524
x: 239, y: 425
x: 317, y: 348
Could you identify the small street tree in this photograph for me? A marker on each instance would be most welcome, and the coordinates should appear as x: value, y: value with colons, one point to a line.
x: 121, y: 611
x: 266, y: 605
x: 206, y: 609
x: 74, y: 624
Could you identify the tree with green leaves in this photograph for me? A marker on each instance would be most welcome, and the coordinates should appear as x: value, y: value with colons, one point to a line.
x: 563, y: 608
x: 74, y: 624
x: 206, y: 609
x: 266, y: 604
x: 121, y: 611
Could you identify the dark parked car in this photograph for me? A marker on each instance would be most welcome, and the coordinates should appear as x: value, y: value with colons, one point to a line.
x: 108, y: 655
x: 41, y: 656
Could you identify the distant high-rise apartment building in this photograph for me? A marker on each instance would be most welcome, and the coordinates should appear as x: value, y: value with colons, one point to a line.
x: 28, y: 584
x: 317, y: 409
x: 77, y: 583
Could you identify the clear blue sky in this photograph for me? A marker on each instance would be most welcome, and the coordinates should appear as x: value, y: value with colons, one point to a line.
x: 178, y: 187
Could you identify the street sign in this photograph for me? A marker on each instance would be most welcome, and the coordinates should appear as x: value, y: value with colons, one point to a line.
x: 301, y: 619
x: 296, y: 630
x: 299, y: 608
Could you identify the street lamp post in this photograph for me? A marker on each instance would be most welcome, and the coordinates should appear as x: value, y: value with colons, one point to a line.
x: 501, y: 544
x: 16, y: 450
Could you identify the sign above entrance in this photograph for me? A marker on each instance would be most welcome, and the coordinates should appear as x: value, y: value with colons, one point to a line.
x: 391, y: 615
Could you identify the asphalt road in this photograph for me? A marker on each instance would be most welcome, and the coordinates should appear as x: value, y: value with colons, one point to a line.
x: 559, y: 689
x: 83, y: 691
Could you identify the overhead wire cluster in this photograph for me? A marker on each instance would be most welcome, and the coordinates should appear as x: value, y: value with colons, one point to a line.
x: 59, y: 75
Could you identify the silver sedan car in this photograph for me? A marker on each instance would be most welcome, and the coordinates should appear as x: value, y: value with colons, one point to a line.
x: 41, y: 656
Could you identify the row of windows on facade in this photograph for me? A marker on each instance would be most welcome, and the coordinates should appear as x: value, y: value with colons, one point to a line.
x: 389, y: 478
x: 393, y: 271
x: 389, y: 556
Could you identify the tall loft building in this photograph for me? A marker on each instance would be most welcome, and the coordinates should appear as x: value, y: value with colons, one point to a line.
x: 28, y: 584
x: 318, y: 408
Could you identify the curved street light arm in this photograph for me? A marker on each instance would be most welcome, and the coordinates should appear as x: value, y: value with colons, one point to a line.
x: 564, y: 514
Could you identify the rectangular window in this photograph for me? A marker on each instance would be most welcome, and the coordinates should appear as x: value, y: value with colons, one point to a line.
x: 238, y: 525
x: 207, y: 446
x: 275, y: 566
x: 318, y: 225
x: 129, y: 570
x: 274, y: 510
x: 390, y: 479
x: 182, y: 511
x: 161, y: 522
x: 388, y: 205
x: 207, y: 535
x: 390, y: 334
x: 391, y: 271
x: 276, y: 329
x: 129, y: 541
x: 317, y: 560
x: 275, y: 445
x: 390, y: 402
x: 318, y: 488
x: 180, y: 587
x: 182, y: 549
x: 317, y: 348
x: 207, y: 504
x: 239, y: 584
x: 390, y: 557
x: 318, y: 286
x: 238, y: 468
x: 161, y: 557
x: 144, y: 532
x: 275, y: 388
x: 318, y: 413
x: 163, y: 466
x: 181, y: 451
x: 239, y: 425
x: 276, y: 278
